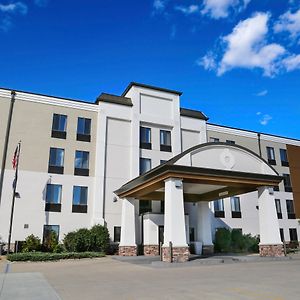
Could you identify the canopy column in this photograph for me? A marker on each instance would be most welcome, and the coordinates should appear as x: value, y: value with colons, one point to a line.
x: 204, y: 234
x: 174, y: 229
x: 270, y: 241
x: 128, y: 245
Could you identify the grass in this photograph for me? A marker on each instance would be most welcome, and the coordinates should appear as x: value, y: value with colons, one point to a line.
x: 45, y: 256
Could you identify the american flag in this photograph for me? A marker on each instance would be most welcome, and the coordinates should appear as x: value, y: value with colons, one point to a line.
x: 15, y: 159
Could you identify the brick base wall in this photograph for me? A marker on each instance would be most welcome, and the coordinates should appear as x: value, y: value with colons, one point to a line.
x: 271, y: 250
x: 207, y: 249
x: 151, y: 250
x: 180, y: 254
x: 127, y: 250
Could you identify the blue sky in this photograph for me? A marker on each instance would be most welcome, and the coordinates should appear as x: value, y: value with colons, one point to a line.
x: 238, y: 61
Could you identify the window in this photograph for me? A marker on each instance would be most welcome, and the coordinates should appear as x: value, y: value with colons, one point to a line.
x: 219, y: 208
x: 271, y: 156
x: 278, y: 208
x: 284, y: 158
x: 145, y: 165
x: 214, y: 140
x: 276, y: 188
x: 80, y: 196
x: 145, y: 206
x: 53, y: 197
x: 59, y: 126
x: 281, y: 234
x: 117, y: 234
x: 165, y: 141
x: 290, y: 209
x: 230, y: 142
x: 56, y: 161
x: 287, y: 182
x: 49, y: 231
x: 145, y: 138
x: 192, y: 234
x: 235, y: 207
x: 293, y: 235
x: 84, y: 130
x: 82, y: 163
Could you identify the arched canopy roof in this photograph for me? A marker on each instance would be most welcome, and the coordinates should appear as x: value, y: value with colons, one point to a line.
x: 209, y: 171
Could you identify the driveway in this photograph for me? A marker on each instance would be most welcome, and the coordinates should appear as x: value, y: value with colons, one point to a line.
x: 106, y: 278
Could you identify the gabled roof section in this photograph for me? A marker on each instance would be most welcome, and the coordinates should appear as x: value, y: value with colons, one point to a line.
x: 151, y: 87
x: 191, y: 113
x: 114, y: 99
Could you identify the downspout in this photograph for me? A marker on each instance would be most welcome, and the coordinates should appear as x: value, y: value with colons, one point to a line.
x: 6, y: 141
x: 259, y: 143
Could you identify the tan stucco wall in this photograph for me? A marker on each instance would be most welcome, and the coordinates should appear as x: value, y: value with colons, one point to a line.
x: 32, y: 124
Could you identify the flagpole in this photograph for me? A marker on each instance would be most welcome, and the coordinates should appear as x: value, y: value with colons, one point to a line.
x: 13, y: 198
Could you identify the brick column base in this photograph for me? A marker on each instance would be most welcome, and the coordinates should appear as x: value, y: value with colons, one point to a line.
x: 127, y: 250
x: 180, y: 254
x: 271, y: 250
x: 151, y: 250
x: 207, y: 249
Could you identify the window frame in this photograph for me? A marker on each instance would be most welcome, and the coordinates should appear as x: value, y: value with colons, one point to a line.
x: 290, y: 212
x: 235, y: 207
x: 54, y: 168
x: 80, y: 170
x: 284, y: 157
x: 57, y: 132
x: 271, y: 155
x: 287, y: 183
x: 84, y: 136
x: 117, y: 235
x: 143, y: 143
x: 165, y: 147
x: 219, y: 213
x: 79, y: 207
x: 145, y: 159
x: 50, y: 205
x: 278, y: 208
x: 49, y: 225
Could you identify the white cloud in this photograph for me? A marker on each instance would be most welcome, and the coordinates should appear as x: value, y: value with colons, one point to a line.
x: 289, y: 22
x: 246, y: 47
x: 188, y: 10
x: 262, y: 93
x: 258, y: 113
x: 16, y: 7
x: 173, y: 32
x: 208, y: 62
x: 291, y: 62
x: 265, y: 119
x: 217, y: 9
x: 159, y: 5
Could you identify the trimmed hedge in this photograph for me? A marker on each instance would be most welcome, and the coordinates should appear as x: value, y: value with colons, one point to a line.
x: 46, y: 256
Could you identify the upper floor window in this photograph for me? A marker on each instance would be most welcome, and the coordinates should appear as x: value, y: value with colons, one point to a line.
x: 287, y: 182
x: 165, y: 141
x: 145, y: 165
x: 230, y: 142
x: 145, y: 138
x: 56, y: 161
x: 271, y: 156
x: 235, y: 207
x: 284, y: 158
x: 84, y: 129
x: 214, y: 140
x: 59, y: 126
x: 53, y: 197
x: 82, y: 163
x: 290, y: 209
x: 278, y: 208
x: 219, y: 208
x: 80, y: 197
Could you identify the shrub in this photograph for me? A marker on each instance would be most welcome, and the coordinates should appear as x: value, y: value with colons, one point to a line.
x: 45, y: 256
x: 96, y: 239
x: 99, y: 236
x: 59, y: 248
x: 50, y: 242
x: 238, y: 242
x: 222, y: 240
x: 32, y: 243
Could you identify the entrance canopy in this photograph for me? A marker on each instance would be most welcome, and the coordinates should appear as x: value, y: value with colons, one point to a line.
x: 208, y: 171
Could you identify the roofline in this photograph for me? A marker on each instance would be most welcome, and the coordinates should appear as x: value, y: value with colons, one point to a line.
x: 115, y: 99
x: 256, y: 132
x: 192, y: 113
x: 152, y: 87
x: 50, y: 96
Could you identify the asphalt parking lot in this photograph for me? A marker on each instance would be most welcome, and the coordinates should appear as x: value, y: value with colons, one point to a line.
x: 106, y: 278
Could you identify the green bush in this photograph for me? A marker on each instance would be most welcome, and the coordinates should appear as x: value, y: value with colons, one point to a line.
x: 235, y: 241
x: 51, y: 242
x: 46, y: 256
x: 32, y: 243
x: 59, y: 248
x: 99, y: 236
x: 223, y: 240
x: 96, y: 239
